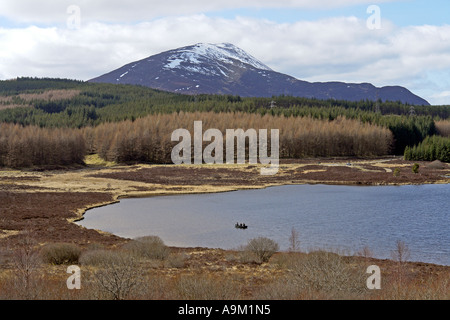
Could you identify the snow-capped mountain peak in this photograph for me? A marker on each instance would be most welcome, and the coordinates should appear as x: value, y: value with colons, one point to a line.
x: 223, y: 68
x: 195, y: 58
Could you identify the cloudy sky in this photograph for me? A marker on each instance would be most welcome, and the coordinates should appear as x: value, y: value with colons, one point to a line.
x: 384, y: 42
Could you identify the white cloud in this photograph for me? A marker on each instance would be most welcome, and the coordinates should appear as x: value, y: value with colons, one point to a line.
x: 443, y: 94
x: 51, y: 11
x: 335, y: 49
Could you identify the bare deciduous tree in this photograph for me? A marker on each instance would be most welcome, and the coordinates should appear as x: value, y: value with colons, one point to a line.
x: 26, y: 262
x: 118, y: 276
x: 401, y: 255
x: 294, y: 242
x: 365, y: 252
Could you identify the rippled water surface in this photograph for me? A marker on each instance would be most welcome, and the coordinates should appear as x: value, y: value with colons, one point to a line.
x: 328, y: 217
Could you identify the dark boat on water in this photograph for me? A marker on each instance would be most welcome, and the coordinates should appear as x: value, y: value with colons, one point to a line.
x: 241, y: 226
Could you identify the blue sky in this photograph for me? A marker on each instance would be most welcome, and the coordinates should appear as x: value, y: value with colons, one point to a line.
x: 402, y: 13
x: 326, y: 40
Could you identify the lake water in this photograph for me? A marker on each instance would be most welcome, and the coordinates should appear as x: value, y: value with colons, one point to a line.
x: 345, y: 218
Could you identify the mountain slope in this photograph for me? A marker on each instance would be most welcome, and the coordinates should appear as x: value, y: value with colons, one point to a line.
x: 227, y: 69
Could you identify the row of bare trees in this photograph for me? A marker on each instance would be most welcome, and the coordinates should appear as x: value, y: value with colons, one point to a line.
x: 33, y: 146
x: 148, y: 139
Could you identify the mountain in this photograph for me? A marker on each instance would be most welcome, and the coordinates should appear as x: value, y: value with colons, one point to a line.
x: 226, y: 69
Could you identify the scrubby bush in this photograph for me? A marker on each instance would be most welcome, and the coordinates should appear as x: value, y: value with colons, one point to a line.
x: 327, y: 273
x: 61, y: 253
x: 263, y: 248
x: 396, y: 172
x: 149, y: 247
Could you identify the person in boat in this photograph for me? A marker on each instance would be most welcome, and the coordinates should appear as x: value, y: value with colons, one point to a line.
x: 241, y: 225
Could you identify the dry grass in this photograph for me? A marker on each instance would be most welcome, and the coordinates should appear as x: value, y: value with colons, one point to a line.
x: 94, y: 160
x: 7, y: 233
x: 96, y: 257
x: 208, y: 274
x: 104, y: 177
x: 207, y: 287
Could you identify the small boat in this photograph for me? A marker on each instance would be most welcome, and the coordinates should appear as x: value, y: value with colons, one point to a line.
x: 241, y: 226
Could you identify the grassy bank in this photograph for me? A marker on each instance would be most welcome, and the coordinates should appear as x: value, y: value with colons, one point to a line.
x: 153, y: 271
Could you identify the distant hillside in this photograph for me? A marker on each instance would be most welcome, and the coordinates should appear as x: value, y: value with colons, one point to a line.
x: 227, y: 69
x: 75, y: 104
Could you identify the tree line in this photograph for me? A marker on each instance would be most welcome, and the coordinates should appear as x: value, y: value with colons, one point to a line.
x: 430, y: 149
x: 98, y: 104
x: 149, y: 139
x: 121, y: 102
x: 34, y: 146
x: 103, y: 103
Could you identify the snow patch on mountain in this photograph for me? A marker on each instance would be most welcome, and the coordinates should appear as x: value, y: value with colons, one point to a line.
x: 216, y: 56
x: 173, y: 63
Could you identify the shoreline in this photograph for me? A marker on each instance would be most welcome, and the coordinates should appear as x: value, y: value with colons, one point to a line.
x: 181, y: 247
x: 49, y: 203
x: 94, y: 186
x: 83, y: 211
